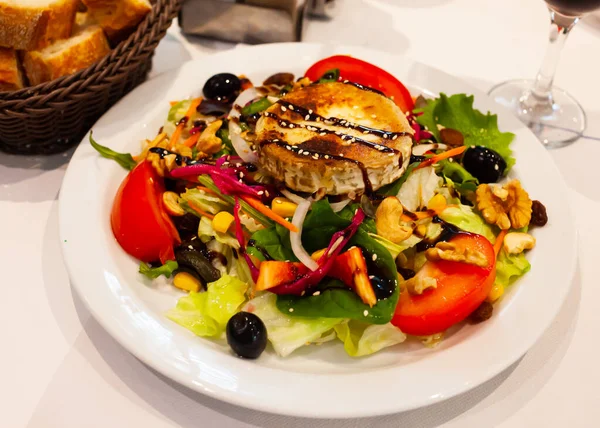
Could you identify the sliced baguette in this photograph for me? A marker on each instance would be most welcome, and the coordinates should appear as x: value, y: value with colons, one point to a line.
x: 66, y: 56
x: 11, y: 78
x: 118, y: 17
x: 35, y: 24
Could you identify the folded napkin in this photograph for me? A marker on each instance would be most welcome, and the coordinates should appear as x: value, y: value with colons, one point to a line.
x: 244, y: 21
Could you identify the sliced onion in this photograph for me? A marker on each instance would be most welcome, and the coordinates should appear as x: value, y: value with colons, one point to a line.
x: 338, y: 206
x: 292, y: 196
x: 296, y: 237
x: 240, y: 145
x: 421, y: 149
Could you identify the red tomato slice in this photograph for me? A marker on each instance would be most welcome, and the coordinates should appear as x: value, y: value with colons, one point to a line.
x: 139, y: 221
x: 461, y: 289
x: 366, y: 74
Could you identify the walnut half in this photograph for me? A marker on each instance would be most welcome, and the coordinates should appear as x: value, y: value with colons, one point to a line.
x: 505, y: 206
x: 449, y: 252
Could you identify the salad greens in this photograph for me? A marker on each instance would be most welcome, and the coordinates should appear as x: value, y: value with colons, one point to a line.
x: 510, y: 267
x: 457, y: 112
x: 206, y: 314
x: 123, y: 159
x: 361, y: 339
x: 166, y: 270
x: 287, y: 333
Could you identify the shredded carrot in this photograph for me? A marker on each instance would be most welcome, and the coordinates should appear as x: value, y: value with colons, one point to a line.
x: 499, y: 242
x: 263, y: 209
x: 193, y: 106
x: 172, y: 103
x: 200, y: 211
x: 191, y: 142
x: 445, y: 155
x: 207, y: 190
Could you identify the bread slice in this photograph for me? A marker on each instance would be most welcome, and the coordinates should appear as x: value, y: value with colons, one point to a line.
x: 118, y: 17
x: 35, y: 24
x: 11, y: 78
x: 66, y: 56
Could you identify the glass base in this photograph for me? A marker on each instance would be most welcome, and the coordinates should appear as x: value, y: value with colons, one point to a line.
x: 557, y: 120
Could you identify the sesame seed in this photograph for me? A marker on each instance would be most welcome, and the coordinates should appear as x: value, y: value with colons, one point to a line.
x: 322, y: 134
x: 267, y: 193
x: 371, y: 276
x: 307, y: 117
x: 241, y: 181
x: 394, y: 137
x: 302, y: 125
x: 277, y: 201
x: 386, y: 136
x: 291, y: 107
x: 365, y: 132
x: 306, y: 153
x: 291, y: 309
x: 341, y: 154
x: 318, y: 119
x: 238, y: 165
x: 346, y: 81
x: 316, y: 293
x: 241, y: 175
x: 165, y: 152
x: 300, y: 151
x: 260, y: 193
x: 310, y: 111
x: 315, y: 156
x: 288, y: 147
x: 190, y: 247
x: 303, y: 293
x: 496, y: 167
x: 194, y: 238
x: 291, y: 125
x: 326, y: 156
x: 374, y: 257
x: 283, y: 109
x: 391, y: 154
x: 284, y: 123
x: 353, y: 140
x: 365, y: 313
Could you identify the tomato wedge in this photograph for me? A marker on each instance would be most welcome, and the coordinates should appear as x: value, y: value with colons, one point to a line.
x: 366, y: 74
x: 461, y: 288
x: 138, y: 219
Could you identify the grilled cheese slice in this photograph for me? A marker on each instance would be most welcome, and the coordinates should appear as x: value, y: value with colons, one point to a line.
x: 85, y: 48
x: 335, y: 136
x: 11, y: 78
x: 35, y: 24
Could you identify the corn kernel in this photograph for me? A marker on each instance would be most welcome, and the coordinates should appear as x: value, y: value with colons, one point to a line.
x: 437, y: 203
x: 187, y: 282
x: 318, y: 254
x: 283, y: 207
x: 171, y: 204
x: 495, y: 293
x: 422, y: 229
x: 222, y: 221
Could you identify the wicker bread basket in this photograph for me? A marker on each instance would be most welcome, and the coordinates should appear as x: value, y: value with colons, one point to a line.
x: 51, y: 117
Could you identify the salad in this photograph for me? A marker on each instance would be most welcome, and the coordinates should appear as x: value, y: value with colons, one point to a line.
x: 330, y: 207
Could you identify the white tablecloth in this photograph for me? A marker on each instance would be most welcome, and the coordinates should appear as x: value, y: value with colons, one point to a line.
x: 59, y: 368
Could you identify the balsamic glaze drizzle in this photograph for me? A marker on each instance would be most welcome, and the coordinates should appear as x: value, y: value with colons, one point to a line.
x: 179, y: 159
x: 311, y: 116
x: 322, y: 131
x: 364, y: 88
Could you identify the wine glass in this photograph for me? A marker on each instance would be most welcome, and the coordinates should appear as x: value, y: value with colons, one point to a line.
x: 551, y: 113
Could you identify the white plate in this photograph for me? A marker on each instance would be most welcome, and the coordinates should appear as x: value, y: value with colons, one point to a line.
x: 316, y: 381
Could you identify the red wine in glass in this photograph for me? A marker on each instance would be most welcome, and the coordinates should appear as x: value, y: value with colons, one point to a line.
x: 553, y: 115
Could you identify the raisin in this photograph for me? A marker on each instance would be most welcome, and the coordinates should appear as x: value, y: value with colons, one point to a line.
x: 482, y: 313
x: 452, y: 137
x: 539, y: 217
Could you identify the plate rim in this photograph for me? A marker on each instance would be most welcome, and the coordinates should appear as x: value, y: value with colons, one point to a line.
x: 234, y: 398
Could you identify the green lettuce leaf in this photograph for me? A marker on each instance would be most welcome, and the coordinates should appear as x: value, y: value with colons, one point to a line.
x: 287, y: 333
x: 123, y: 159
x: 362, y: 339
x: 275, y: 242
x: 393, y: 188
x: 207, y: 313
x: 479, y: 129
x: 510, y: 267
x: 167, y: 269
x: 458, y: 176
x: 467, y: 219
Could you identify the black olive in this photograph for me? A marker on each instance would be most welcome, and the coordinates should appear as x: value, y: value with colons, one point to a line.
x: 194, y: 259
x: 485, y: 164
x: 222, y: 87
x: 382, y: 287
x: 247, y: 335
x: 186, y: 225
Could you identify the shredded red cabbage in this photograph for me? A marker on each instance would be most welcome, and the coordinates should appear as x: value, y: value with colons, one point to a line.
x: 339, y: 240
x: 239, y: 234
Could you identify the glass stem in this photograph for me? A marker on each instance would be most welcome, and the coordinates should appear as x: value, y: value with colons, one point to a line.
x: 560, y: 27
